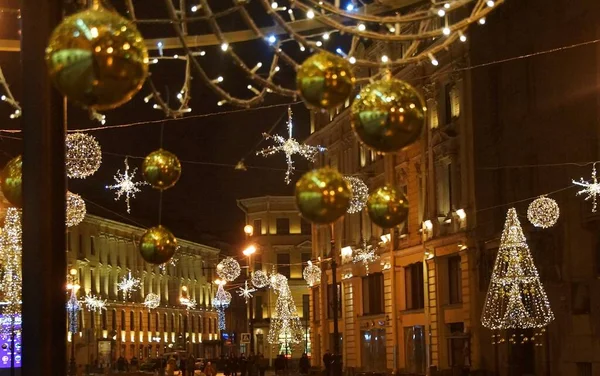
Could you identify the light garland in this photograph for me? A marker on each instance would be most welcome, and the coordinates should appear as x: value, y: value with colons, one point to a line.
x: 83, y: 155
x: 11, y: 255
x: 94, y: 304
x: 365, y: 255
x: 285, y: 327
x: 516, y: 298
x: 9, y: 98
x: 221, y: 302
x: 543, y: 212
x: 127, y: 285
x: 290, y: 147
x: 591, y: 188
x: 260, y: 279
x: 229, y: 269
x: 76, y: 209
x: 152, y: 301
x: 246, y: 291
x: 360, y: 194
x: 73, y: 308
x: 312, y: 274
x: 125, y: 185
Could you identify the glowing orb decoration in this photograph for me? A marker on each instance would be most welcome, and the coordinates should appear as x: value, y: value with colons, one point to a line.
x: 543, y: 212
x: 360, y: 194
x: 152, y: 301
x: 278, y: 281
x: 76, y: 209
x: 157, y: 245
x: 387, y: 207
x: 229, y: 269
x: 11, y: 182
x: 161, y: 169
x: 322, y: 196
x: 260, y: 279
x: 312, y: 274
x: 83, y: 155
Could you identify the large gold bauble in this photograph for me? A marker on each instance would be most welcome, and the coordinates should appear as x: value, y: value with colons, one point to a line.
x: 387, y: 207
x: 11, y: 182
x: 161, y: 169
x: 97, y: 58
x: 157, y: 245
x: 322, y: 195
x: 325, y: 80
x: 388, y: 115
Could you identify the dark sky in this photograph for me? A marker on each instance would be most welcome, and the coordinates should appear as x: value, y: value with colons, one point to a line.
x: 203, y: 203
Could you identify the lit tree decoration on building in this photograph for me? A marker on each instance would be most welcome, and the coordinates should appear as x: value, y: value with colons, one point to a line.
x: 221, y: 302
x: 260, y: 279
x: 152, y: 301
x: 543, y: 212
x: 290, y: 147
x: 246, y: 291
x: 591, y: 188
x: 11, y: 278
x: 83, y: 155
x: 73, y: 308
x: 516, y: 298
x: 127, y: 285
x: 125, y: 185
x: 229, y: 269
x: 76, y: 209
x: 285, y: 327
x: 312, y: 274
x: 94, y: 304
x: 365, y: 255
x: 360, y: 194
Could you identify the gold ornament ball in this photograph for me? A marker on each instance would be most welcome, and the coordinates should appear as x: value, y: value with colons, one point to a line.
x: 11, y: 182
x: 97, y: 58
x: 325, y: 80
x: 388, y: 115
x: 157, y: 245
x: 387, y: 207
x: 76, y: 209
x: 161, y: 169
x: 322, y: 195
x: 543, y: 212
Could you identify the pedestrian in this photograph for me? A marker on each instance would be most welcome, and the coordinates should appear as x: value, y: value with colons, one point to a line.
x: 327, y: 360
x: 227, y: 366
x: 183, y: 366
x: 280, y: 365
x: 242, y: 365
x: 304, y: 364
x: 252, y: 364
x: 191, y: 364
x: 134, y: 363
x: 171, y: 366
x: 263, y: 364
x: 209, y: 370
x: 121, y: 364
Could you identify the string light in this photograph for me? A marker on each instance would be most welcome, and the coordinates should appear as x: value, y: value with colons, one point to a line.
x: 83, y: 155
x: 125, y: 185
x: 516, y: 298
x: 229, y: 269
x: 152, y: 301
x: 385, y: 59
x: 127, y: 285
x: 543, y: 212
x: 11, y: 255
x: 591, y: 188
x: 76, y: 209
x: 310, y: 14
x: 260, y: 279
x: 290, y: 147
x: 312, y: 274
x: 482, y: 21
x: 246, y: 291
x: 365, y: 255
x: 461, y: 36
x: 361, y: 27
x: 433, y: 60
x: 94, y: 303
x: 360, y: 194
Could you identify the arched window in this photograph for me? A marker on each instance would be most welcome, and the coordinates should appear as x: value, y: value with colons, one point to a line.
x: 141, y: 322
x: 123, y: 320
x: 172, y: 322
x: 104, y: 320
x: 165, y: 322
x: 114, y: 319
x: 192, y: 323
x: 131, y: 321
x: 92, y: 321
x: 149, y: 321
x: 80, y: 320
x: 157, y: 322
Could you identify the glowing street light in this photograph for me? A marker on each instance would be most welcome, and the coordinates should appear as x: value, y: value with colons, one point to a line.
x: 249, y: 230
x: 250, y: 250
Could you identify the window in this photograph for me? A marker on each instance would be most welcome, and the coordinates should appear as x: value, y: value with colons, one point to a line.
x: 305, y: 227
x: 173, y: 322
x: 257, y: 262
x: 149, y: 321
x: 372, y: 286
x: 433, y: 114
x: 131, y: 321
x: 413, y: 279
x: 316, y: 305
x: 454, y: 280
x: 305, y: 307
x: 452, y: 102
x: 257, y: 224
x: 458, y: 345
x: 305, y: 257
x: 122, y: 320
x: 414, y: 345
x: 114, y: 319
x: 93, y: 280
x: 92, y: 246
x: 443, y: 176
x: 282, y: 226
x: 374, y: 358
x: 584, y: 369
x: 283, y: 264
x: 362, y: 151
x: 164, y: 322
x: 330, y: 301
x: 93, y: 322
x: 258, y: 307
x: 157, y: 322
x: 580, y: 298
x: 104, y: 324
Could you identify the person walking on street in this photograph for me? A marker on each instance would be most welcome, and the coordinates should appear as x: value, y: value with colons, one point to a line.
x: 263, y: 364
x: 183, y: 366
x: 209, y: 370
x: 171, y: 365
x: 242, y: 365
x: 304, y: 364
x: 191, y: 364
x: 327, y: 362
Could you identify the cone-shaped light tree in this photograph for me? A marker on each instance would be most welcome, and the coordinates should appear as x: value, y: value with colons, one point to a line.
x: 516, y: 298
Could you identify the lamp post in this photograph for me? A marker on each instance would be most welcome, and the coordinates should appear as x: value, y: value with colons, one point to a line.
x: 248, y: 252
x: 73, y: 310
x: 337, y: 369
x: 185, y: 300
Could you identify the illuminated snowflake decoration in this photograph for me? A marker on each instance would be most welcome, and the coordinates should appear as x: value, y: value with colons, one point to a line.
x: 188, y: 303
x: 290, y: 147
x: 94, y: 304
x: 312, y: 274
x: 152, y: 301
x: 591, y: 189
x: 365, y: 255
x: 125, y: 185
x: 127, y: 285
x: 360, y: 193
x: 229, y: 269
x: 246, y: 292
x: 260, y: 279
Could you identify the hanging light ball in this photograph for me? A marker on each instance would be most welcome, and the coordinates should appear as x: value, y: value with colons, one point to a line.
x: 322, y: 195
x: 388, y: 115
x: 360, y: 193
x: 83, y: 155
x: 229, y: 269
x: 76, y: 209
x: 161, y: 169
x: 260, y: 279
x: 11, y: 182
x: 278, y: 281
x: 543, y: 212
x: 97, y: 58
x: 387, y: 207
x: 152, y: 301
x: 325, y: 80
x: 157, y: 245
x: 312, y: 274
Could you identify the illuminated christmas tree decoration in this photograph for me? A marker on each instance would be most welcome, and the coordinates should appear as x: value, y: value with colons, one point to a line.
x: 83, y: 155
x: 591, y: 188
x: 229, y: 269
x: 285, y: 327
x: 76, y: 209
x: 246, y: 291
x: 312, y: 274
x: 360, y: 194
x: 94, y: 304
x: 516, y: 298
x: 127, y: 285
x: 365, y: 255
x: 73, y: 308
x: 260, y: 279
x: 290, y: 147
x: 11, y: 277
x: 125, y: 185
x: 543, y: 212
x: 278, y: 281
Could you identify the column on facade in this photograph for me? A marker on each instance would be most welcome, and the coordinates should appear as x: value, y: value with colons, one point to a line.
x: 350, y: 329
x: 432, y: 312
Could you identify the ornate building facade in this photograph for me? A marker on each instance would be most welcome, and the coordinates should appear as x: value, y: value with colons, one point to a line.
x: 103, y: 252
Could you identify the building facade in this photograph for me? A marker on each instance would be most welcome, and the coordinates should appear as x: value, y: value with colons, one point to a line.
x: 103, y: 252
x: 283, y: 242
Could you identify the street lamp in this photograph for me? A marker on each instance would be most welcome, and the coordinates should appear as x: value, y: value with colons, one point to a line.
x: 249, y: 251
x: 73, y: 308
x: 249, y: 230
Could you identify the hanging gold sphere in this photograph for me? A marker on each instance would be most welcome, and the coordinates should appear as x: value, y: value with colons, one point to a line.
x: 11, y: 182
x: 157, y: 245
x: 387, y: 207
x: 325, y: 80
x: 322, y: 195
x: 161, y: 169
x: 388, y: 115
x: 97, y: 58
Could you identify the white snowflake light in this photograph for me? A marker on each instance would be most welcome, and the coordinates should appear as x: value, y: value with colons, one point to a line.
x: 260, y: 279
x: 124, y: 185
x: 246, y: 292
x: 543, y: 212
x: 360, y: 193
x: 591, y: 188
x: 94, y: 304
x: 290, y: 147
x: 312, y: 274
x: 152, y: 301
x: 127, y: 285
x: 366, y: 255
x: 229, y: 269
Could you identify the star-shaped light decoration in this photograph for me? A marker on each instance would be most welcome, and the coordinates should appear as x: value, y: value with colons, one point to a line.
x: 124, y: 185
x: 591, y: 188
x: 365, y: 255
x: 246, y: 292
x: 94, y: 304
x: 290, y: 147
x: 127, y: 285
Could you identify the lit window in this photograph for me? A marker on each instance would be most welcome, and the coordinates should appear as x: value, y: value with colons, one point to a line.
x: 433, y: 114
